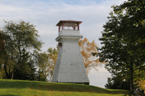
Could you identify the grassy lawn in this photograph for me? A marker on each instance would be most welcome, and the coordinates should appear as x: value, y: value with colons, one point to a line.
x: 38, y: 88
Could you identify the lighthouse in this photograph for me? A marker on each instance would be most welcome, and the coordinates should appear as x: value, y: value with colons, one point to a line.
x: 69, y: 67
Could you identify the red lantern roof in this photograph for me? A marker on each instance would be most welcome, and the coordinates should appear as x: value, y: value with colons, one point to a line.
x: 68, y: 21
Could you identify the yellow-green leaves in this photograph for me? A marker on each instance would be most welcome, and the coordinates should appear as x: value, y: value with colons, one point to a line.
x: 87, y: 48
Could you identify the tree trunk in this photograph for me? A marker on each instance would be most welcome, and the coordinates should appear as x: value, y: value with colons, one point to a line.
x: 131, y: 79
x: 5, y: 68
x: 12, y: 76
x: 8, y: 74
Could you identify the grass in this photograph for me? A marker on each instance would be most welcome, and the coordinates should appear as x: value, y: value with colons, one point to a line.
x: 39, y: 88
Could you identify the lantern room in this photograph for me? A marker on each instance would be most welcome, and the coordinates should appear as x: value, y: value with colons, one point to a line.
x: 68, y: 27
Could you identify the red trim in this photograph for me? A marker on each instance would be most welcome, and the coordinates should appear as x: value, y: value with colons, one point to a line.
x: 59, y: 29
x: 62, y: 22
x: 67, y: 21
x: 60, y: 44
x: 78, y: 26
x: 62, y: 26
x: 74, y: 28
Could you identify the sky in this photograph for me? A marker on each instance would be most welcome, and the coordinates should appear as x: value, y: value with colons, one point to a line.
x: 45, y: 14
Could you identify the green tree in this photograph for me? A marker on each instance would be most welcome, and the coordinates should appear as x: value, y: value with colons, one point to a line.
x: 1, y: 48
x: 42, y: 64
x: 1, y: 44
x: 27, y: 70
x: 124, y: 39
x: 20, y: 40
x: 41, y: 76
x: 2, y: 53
x: 46, y: 63
x: 119, y: 78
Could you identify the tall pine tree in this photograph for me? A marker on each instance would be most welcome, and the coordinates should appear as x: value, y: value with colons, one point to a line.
x: 124, y: 40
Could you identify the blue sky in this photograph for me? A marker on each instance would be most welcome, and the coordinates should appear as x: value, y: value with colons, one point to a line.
x: 45, y: 14
x: 72, y: 2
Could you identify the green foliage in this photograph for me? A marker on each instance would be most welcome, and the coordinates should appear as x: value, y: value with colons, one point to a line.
x: 41, y: 76
x: 124, y: 40
x: 19, y: 39
x: 42, y: 63
x: 27, y: 72
x: 117, y: 82
x: 120, y: 77
x: 46, y: 62
x: 2, y: 74
x: 1, y: 46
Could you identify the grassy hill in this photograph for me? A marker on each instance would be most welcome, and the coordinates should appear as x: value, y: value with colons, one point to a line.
x: 38, y: 88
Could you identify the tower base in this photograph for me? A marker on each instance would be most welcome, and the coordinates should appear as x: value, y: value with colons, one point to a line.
x: 69, y: 66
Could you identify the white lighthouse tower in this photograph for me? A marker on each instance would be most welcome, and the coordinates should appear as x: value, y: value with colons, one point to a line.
x: 69, y: 66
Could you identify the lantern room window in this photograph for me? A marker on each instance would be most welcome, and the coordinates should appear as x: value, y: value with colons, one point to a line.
x: 68, y: 25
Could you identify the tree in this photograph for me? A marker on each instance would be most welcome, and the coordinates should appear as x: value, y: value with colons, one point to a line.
x: 123, y: 38
x: 27, y: 70
x: 52, y: 53
x: 87, y: 50
x: 1, y: 44
x: 46, y: 63
x: 42, y: 64
x: 41, y: 76
x: 2, y: 55
x: 20, y: 40
x: 143, y: 84
x: 1, y: 48
x: 141, y: 80
x: 119, y: 78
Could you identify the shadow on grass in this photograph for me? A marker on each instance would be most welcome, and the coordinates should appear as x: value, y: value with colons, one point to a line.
x: 58, y: 87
